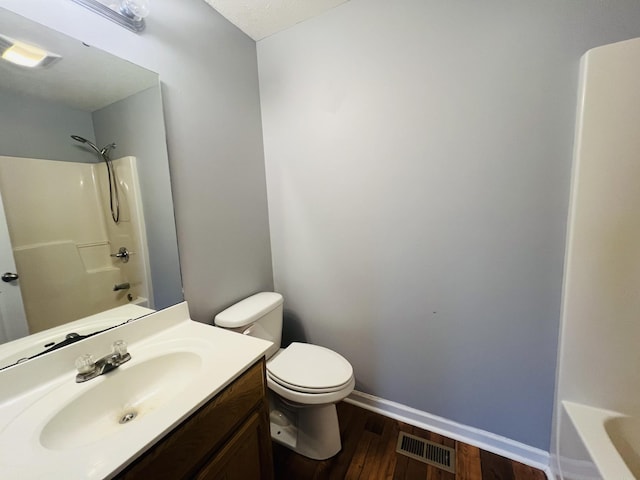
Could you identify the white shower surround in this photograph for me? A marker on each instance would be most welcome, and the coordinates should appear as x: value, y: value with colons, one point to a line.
x: 598, y: 354
x: 62, y: 236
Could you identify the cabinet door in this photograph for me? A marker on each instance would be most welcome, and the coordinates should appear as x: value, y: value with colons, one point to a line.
x: 243, y: 457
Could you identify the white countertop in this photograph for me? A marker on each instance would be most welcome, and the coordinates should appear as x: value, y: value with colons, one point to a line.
x: 32, y: 393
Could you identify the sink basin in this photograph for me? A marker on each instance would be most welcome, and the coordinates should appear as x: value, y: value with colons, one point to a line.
x: 53, y: 427
x: 119, y: 398
x: 624, y: 433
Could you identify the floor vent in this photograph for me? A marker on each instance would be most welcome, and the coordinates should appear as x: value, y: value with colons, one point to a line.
x: 427, y: 452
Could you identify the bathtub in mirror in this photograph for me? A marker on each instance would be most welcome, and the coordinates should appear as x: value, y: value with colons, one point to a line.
x: 57, y: 233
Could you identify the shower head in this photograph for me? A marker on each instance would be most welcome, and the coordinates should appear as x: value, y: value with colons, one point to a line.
x: 102, y: 152
x: 80, y: 139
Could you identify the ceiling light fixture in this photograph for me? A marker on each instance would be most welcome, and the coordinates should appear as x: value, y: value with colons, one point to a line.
x: 25, y: 54
x: 128, y: 13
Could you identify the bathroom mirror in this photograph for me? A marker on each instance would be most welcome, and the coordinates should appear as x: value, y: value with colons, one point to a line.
x: 46, y: 179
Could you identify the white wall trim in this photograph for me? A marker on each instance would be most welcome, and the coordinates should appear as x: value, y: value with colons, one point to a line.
x: 488, y: 441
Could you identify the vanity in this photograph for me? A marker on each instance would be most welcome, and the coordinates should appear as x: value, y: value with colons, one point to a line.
x: 191, y: 403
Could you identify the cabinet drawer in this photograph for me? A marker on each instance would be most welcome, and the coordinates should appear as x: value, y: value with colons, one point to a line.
x: 190, y: 444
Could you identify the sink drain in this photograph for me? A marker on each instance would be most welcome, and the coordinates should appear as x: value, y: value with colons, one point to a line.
x: 127, y: 417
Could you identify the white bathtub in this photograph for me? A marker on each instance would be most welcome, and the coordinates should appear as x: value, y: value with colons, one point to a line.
x: 611, y: 438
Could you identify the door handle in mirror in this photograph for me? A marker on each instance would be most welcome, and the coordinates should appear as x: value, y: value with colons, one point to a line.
x: 9, y: 277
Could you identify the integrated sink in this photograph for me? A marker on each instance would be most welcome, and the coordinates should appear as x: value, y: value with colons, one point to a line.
x: 118, y: 398
x: 53, y: 427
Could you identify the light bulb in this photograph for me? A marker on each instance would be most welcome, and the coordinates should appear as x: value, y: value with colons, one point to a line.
x: 135, y: 8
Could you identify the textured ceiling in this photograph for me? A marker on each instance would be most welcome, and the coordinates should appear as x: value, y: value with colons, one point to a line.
x: 261, y: 18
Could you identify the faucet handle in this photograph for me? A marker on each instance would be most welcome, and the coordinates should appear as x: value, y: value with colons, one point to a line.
x: 85, y: 363
x: 120, y: 348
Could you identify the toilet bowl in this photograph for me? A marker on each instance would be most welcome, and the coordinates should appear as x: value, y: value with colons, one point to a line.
x: 305, y: 381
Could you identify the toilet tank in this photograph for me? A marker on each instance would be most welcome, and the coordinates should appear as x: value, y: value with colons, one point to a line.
x: 259, y: 315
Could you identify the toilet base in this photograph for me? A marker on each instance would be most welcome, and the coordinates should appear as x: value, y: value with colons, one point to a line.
x: 309, y: 430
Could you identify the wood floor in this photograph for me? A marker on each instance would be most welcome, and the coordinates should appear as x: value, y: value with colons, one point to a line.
x: 368, y: 453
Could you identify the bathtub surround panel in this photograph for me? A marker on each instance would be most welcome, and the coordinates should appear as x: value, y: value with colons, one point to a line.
x: 418, y: 157
x: 61, y: 196
x: 598, y: 352
x: 62, y: 236
x: 130, y: 232
x: 209, y: 80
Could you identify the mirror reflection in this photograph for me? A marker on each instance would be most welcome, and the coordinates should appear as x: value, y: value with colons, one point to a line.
x: 86, y: 214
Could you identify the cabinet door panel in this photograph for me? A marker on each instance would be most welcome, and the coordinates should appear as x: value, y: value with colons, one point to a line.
x: 242, y: 458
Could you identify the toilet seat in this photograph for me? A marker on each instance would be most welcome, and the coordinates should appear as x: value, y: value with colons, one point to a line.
x: 307, y: 399
x: 298, y: 388
x: 310, y: 368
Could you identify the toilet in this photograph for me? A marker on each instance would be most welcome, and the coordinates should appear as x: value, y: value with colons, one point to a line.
x: 305, y: 381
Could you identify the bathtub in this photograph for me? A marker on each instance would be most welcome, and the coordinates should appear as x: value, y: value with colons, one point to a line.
x: 611, y: 438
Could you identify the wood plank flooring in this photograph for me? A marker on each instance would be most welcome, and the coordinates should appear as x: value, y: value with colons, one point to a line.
x: 368, y: 453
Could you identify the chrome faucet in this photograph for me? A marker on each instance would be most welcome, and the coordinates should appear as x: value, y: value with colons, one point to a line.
x: 88, y: 368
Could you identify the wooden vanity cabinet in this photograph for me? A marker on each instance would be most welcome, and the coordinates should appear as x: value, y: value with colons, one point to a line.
x: 228, y: 438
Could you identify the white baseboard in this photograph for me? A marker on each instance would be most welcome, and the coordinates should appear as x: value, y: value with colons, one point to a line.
x: 488, y: 441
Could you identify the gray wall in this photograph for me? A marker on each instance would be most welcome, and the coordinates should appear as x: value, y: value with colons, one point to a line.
x: 136, y: 125
x: 418, y: 156
x: 209, y: 80
x: 35, y: 128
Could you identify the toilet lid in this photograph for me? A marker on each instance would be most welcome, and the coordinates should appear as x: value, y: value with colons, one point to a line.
x: 297, y: 388
x: 310, y: 367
